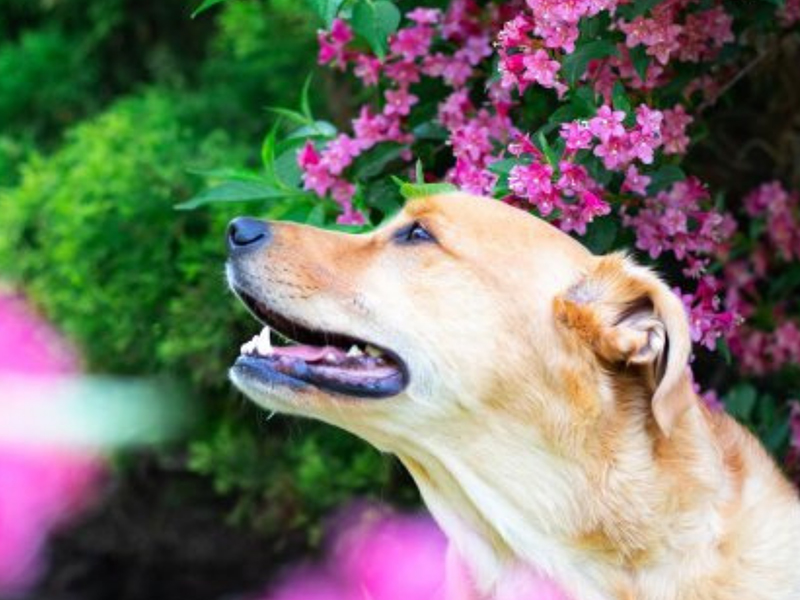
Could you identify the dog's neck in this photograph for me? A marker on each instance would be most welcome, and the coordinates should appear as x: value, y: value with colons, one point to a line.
x: 587, y: 521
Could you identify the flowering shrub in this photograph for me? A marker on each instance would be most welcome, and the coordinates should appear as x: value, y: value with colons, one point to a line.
x: 579, y: 111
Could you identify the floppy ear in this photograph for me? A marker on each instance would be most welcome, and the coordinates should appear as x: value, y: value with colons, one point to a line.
x: 629, y: 316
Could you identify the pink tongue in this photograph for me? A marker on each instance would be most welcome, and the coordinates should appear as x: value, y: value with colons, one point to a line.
x: 310, y: 353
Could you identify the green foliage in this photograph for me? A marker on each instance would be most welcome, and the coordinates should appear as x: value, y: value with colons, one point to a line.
x: 33, y: 100
x: 92, y: 235
x: 284, y: 483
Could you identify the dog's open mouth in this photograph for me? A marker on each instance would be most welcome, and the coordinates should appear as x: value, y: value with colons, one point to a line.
x: 329, y: 361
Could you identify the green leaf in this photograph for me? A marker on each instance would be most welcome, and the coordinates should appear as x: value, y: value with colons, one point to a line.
x: 583, y: 101
x: 305, y: 106
x: 374, y: 161
x: 548, y: 152
x: 638, y: 8
x: 291, y: 115
x: 227, y: 173
x: 375, y: 21
x: 725, y: 351
x: 740, y: 401
x: 504, y: 165
x: 410, y: 190
x: 316, y: 129
x: 640, y: 60
x: 574, y: 65
x: 601, y: 234
x: 664, y: 178
x: 430, y: 131
x: 205, y: 6
x: 326, y: 9
x: 235, y: 191
x: 620, y: 99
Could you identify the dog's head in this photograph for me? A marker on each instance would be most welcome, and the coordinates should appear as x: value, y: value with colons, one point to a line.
x: 461, y: 310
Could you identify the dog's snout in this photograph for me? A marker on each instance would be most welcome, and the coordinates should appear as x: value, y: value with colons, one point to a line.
x: 245, y: 233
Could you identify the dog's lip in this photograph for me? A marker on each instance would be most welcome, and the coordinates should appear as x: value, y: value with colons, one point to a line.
x: 284, y: 369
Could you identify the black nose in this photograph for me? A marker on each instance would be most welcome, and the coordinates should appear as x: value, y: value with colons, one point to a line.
x: 245, y: 233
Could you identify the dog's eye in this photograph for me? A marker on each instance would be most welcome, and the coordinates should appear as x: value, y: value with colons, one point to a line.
x: 413, y: 233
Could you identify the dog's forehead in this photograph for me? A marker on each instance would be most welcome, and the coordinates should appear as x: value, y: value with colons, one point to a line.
x: 489, y: 220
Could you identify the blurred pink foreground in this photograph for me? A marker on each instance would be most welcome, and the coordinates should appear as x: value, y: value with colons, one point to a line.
x: 376, y: 555
x: 39, y: 488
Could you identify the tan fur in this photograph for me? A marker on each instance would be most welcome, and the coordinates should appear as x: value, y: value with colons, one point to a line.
x: 549, y: 422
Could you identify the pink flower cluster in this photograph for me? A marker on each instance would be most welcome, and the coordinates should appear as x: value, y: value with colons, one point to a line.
x: 566, y: 189
x: 474, y: 131
x: 770, y: 347
x: 672, y: 33
x: 708, y: 321
x: 616, y: 146
x: 681, y: 221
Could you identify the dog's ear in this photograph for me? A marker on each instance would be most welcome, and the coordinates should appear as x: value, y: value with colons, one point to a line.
x: 627, y: 315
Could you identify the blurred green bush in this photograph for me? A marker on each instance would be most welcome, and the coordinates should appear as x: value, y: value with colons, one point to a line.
x: 89, y: 230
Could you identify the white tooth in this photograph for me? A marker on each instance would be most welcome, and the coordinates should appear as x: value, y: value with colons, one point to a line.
x: 374, y: 352
x: 330, y: 357
x: 354, y: 351
x: 263, y: 342
x: 248, y: 347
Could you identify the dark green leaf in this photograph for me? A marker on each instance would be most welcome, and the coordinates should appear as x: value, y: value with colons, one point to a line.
x: 574, y: 65
x: 620, y: 99
x: 234, y: 191
x: 664, y: 178
x: 583, y: 101
x: 600, y: 235
x: 305, y: 106
x: 375, y: 21
x: 740, y: 401
x: 546, y: 149
x: 725, y: 351
x: 504, y: 166
x: 326, y: 9
x: 205, y: 6
x: 638, y: 8
x: 430, y: 131
x: 640, y: 60
x: 374, y: 161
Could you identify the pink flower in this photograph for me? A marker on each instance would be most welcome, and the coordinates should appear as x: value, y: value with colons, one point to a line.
x: 635, y: 182
x: 614, y: 152
x: 424, y: 16
x: 339, y: 153
x: 332, y: 44
x: 540, y: 68
x: 607, y: 123
x: 676, y: 120
x: 412, y: 42
x: 367, y: 69
x: 577, y: 135
x: 399, y: 102
x: 533, y: 181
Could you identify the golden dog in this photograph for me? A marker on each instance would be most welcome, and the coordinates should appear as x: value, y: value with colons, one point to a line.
x: 538, y: 394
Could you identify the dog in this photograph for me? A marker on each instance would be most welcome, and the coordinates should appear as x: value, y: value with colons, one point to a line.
x: 539, y: 395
